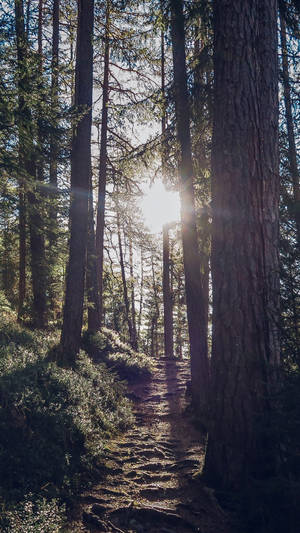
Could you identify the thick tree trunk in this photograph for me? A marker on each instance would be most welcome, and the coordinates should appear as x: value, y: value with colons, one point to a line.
x: 167, y: 295
x: 103, y: 163
x: 195, y: 298
x: 290, y: 129
x: 80, y: 177
x: 245, y: 191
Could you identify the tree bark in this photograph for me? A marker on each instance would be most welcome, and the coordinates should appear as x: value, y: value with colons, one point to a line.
x: 80, y: 177
x: 29, y: 185
x: 141, y: 295
x: 167, y: 295
x: 245, y: 195
x: 124, y: 282
x: 133, y: 313
x: 155, y: 315
x: 290, y: 129
x: 103, y: 163
x: 22, y: 112
x: 91, y: 277
x: 36, y: 203
x: 195, y: 298
x: 22, y: 244
x: 54, y: 150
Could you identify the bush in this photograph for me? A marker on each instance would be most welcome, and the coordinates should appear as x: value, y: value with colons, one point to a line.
x: 106, y: 346
x: 54, y: 422
x: 34, y: 516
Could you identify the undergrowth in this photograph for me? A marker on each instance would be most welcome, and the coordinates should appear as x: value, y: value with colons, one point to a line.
x: 106, y: 346
x: 54, y: 427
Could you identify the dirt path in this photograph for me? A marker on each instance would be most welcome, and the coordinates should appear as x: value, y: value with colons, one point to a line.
x: 150, y: 485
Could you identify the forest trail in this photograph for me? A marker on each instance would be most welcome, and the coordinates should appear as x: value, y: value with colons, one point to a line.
x: 149, y: 484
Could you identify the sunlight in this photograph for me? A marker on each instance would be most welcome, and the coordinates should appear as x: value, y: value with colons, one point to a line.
x: 159, y: 206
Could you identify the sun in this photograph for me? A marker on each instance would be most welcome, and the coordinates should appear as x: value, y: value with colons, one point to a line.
x: 159, y: 206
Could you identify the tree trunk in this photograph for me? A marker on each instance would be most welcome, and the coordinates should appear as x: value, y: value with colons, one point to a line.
x: 133, y: 313
x: 167, y: 295
x: 195, y: 299
x: 22, y: 243
x: 29, y: 184
x: 290, y: 129
x: 124, y: 282
x: 155, y: 317
x: 245, y: 194
x: 141, y: 295
x: 36, y: 200
x: 179, y: 343
x: 103, y: 163
x: 80, y: 177
x: 91, y: 275
x: 54, y: 150
x: 22, y: 112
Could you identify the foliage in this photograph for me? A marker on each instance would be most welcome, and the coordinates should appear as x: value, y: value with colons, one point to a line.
x: 34, y: 515
x: 54, y: 422
x: 107, y: 346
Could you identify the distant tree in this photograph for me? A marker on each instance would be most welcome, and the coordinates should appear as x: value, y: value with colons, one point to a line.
x: 30, y: 179
x: 245, y: 195
x: 167, y: 295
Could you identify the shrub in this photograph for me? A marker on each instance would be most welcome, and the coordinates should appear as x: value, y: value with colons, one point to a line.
x: 34, y: 515
x: 106, y: 346
x: 54, y: 422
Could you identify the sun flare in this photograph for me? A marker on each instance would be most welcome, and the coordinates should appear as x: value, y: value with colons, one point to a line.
x: 159, y: 206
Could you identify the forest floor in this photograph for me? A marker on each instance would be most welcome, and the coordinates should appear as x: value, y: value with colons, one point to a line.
x: 150, y: 482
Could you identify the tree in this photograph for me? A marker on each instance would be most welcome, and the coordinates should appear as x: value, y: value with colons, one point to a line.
x: 22, y: 110
x: 245, y: 193
x: 30, y: 181
x: 195, y: 298
x: 54, y: 147
x: 80, y: 184
x: 292, y: 152
x: 167, y: 295
x: 103, y: 163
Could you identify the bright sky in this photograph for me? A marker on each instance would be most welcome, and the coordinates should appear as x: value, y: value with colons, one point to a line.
x: 159, y: 206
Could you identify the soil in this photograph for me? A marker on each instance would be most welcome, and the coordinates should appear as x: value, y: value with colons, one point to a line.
x: 152, y: 481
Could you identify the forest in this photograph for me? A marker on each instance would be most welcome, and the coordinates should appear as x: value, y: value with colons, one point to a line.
x: 149, y: 266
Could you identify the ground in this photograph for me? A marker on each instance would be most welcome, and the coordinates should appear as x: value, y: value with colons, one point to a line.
x: 151, y: 482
